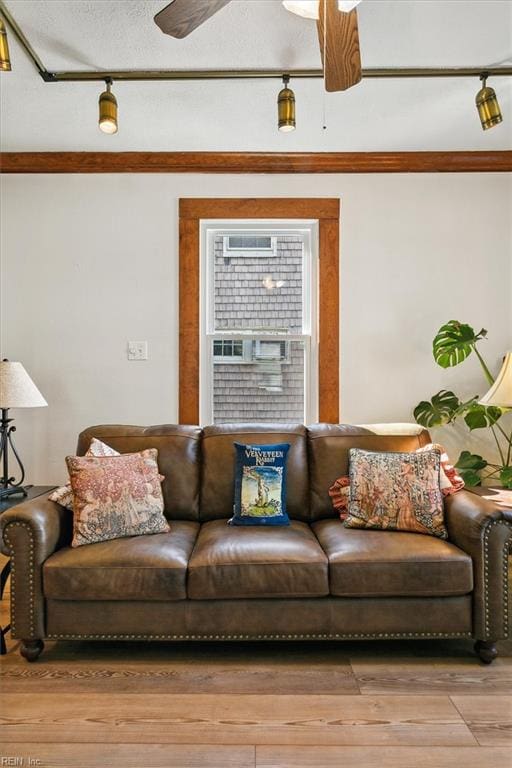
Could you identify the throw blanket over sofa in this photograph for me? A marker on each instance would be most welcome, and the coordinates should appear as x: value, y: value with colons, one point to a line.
x: 205, y: 580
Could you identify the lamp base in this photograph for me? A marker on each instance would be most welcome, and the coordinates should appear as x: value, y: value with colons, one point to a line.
x: 12, y: 491
x: 8, y: 484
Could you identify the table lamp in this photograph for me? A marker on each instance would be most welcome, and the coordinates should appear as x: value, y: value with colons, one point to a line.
x: 500, y: 394
x: 17, y: 390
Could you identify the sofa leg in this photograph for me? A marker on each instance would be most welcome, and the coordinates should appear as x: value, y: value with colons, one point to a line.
x: 486, y: 650
x: 30, y: 649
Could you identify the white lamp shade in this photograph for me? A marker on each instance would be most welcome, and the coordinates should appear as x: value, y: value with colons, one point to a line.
x: 308, y: 9
x: 500, y: 394
x: 17, y: 390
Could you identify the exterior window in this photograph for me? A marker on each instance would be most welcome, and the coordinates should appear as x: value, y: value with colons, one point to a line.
x: 225, y: 348
x: 249, y: 245
x: 258, y: 359
x: 232, y: 351
x: 240, y: 351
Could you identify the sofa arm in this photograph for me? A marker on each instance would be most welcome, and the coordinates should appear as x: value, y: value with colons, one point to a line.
x: 30, y: 532
x: 483, y: 529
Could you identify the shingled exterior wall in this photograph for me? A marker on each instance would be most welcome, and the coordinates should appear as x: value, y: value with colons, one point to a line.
x: 260, y: 390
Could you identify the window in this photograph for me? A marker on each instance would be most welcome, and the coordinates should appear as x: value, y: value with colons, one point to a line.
x: 232, y: 213
x: 224, y: 348
x: 249, y: 244
x: 239, y: 351
x: 232, y: 351
x: 258, y: 322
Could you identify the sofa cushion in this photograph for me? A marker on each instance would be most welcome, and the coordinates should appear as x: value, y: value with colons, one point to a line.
x: 250, y: 562
x: 218, y: 475
x: 150, y: 567
x: 364, y: 563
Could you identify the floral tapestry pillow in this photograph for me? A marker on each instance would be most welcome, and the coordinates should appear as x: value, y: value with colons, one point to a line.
x: 116, y: 496
x: 260, y: 485
x: 396, y: 491
x: 449, y: 480
x: 64, y: 494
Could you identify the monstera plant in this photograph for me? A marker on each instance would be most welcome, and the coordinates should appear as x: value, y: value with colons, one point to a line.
x: 453, y: 344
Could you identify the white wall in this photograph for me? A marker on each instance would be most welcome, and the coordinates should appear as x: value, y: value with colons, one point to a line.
x: 90, y: 261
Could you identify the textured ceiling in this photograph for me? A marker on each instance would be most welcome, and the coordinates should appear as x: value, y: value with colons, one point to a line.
x: 228, y: 115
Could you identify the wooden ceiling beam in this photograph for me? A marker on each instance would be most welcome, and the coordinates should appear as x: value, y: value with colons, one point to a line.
x: 256, y: 162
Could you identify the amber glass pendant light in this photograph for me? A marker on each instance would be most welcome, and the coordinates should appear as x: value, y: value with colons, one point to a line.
x: 286, y: 107
x: 5, y: 59
x: 108, y: 110
x: 487, y: 105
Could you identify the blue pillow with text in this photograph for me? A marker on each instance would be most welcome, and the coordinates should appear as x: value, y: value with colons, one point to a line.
x: 260, y: 485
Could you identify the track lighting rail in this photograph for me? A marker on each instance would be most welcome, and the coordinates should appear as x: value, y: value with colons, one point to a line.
x: 234, y: 74
x: 262, y: 74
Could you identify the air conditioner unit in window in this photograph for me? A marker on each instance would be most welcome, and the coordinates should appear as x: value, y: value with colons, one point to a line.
x: 270, y: 350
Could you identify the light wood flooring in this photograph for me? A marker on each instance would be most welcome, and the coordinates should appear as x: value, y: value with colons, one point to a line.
x: 311, y: 705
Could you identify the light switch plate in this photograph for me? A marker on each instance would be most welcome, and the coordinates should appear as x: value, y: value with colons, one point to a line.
x: 137, y: 350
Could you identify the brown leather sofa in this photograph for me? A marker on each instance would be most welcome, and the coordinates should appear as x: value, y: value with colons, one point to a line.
x: 206, y: 580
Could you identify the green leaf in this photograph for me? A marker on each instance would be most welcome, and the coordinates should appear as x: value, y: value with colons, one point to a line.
x: 470, y: 477
x: 466, y: 406
x: 470, y: 461
x: 506, y: 476
x: 454, y: 343
x: 480, y: 416
x: 469, y: 465
x: 440, y: 410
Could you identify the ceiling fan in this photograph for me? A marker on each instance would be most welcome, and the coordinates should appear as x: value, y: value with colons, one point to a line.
x: 336, y: 23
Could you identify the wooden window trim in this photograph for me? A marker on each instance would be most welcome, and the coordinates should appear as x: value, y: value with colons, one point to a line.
x: 327, y: 212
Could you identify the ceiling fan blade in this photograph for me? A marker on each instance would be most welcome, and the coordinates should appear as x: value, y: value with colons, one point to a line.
x: 341, y: 59
x: 181, y: 17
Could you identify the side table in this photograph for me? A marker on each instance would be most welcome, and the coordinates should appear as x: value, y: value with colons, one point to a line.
x: 12, y: 501
x: 496, y: 493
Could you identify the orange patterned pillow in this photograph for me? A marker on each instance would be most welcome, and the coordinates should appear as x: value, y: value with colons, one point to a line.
x: 116, y: 496
x: 64, y: 494
x: 396, y: 491
x: 449, y: 480
x: 340, y: 495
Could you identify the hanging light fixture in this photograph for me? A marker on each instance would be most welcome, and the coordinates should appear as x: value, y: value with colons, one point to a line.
x: 5, y: 59
x: 487, y: 105
x: 347, y: 5
x: 286, y: 107
x: 309, y: 9
x: 108, y: 109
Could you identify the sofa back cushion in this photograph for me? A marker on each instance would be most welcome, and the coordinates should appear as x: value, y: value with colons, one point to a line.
x: 328, y: 454
x: 179, y: 458
x: 218, y: 475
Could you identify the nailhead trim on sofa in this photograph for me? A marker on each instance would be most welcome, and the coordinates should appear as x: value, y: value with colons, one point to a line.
x: 506, y: 552
x: 487, y: 533
x: 31, y: 593
x: 370, y: 636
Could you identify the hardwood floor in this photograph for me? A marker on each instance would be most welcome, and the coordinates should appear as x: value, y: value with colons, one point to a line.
x: 311, y: 705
